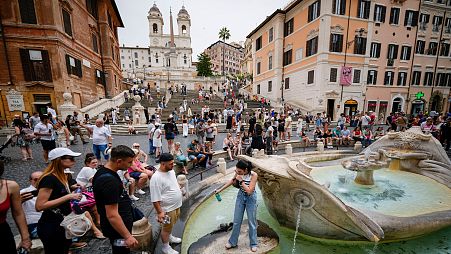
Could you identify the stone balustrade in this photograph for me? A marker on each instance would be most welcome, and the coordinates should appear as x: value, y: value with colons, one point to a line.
x: 104, y: 104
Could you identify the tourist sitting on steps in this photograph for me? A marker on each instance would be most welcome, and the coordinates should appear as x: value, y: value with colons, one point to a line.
x: 245, y: 180
x: 194, y: 153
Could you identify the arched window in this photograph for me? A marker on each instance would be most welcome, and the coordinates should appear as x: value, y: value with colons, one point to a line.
x: 183, y: 29
x: 155, y: 28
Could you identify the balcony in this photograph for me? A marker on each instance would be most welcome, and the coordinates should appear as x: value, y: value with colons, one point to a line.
x: 390, y: 62
x: 435, y: 28
x: 423, y: 26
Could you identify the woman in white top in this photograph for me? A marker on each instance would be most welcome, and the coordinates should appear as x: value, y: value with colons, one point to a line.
x: 157, y: 143
x: 63, y: 138
x: 227, y: 145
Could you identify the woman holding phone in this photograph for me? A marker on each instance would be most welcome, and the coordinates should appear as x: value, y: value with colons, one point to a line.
x: 245, y: 180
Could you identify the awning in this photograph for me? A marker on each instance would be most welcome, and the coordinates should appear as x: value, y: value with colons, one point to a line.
x: 41, y: 102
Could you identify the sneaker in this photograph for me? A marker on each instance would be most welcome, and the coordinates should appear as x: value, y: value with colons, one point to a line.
x: 140, y: 192
x: 173, y: 239
x: 169, y: 250
x: 134, y: 198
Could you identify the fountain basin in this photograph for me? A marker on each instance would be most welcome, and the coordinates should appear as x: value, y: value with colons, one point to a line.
x: 286, y: 185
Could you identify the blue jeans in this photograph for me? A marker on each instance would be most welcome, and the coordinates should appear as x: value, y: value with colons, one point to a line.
x: 248, y: 203
x: 151, y: 147
x: 100, y: 149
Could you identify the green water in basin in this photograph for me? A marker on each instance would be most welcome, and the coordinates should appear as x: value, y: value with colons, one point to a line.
x: 211, y: 213
x: 395, y: 192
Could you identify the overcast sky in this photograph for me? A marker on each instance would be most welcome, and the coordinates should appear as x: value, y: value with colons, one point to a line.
x: 207, y: 17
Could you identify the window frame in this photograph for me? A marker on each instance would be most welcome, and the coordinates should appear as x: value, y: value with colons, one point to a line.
x: 310, y: 77
x: 67, y: 22
x: 27, y: 12
x: 30, y: 71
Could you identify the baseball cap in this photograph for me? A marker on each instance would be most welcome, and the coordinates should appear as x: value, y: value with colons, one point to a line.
x: 61, y: 151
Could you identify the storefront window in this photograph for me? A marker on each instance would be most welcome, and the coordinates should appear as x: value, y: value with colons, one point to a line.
x: 382, y: 114
x: 372, y: 106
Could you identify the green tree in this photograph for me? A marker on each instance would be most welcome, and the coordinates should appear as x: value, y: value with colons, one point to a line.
x: 224, y: 34
x: 204, y: 65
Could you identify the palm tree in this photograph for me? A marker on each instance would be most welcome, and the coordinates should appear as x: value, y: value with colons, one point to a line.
x: 224, y: 34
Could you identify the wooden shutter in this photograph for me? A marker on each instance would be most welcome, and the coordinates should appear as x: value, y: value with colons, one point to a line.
x: 68, y: 65
x: 395, y: 52
x: 26, y: 64
x: 310, y: 12
x: 78, y: 67
x: 367, y: 10
x: 47, y: 67
x: 318, y: 11
x: 333, y: 74
x: 383, y: 11
x: 334, y: 4
x: 67, y: 24
x: 27, y: 11
x: 342, y: 7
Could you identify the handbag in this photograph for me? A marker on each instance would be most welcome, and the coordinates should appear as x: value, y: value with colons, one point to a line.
x: 75, y: 225
x: 136, y: 213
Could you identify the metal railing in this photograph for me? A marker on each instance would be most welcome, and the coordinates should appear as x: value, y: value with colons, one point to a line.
x: 202, y: 172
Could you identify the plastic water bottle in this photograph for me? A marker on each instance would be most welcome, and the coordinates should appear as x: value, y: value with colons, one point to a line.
x: 119, y: 243
x: 218, y: 197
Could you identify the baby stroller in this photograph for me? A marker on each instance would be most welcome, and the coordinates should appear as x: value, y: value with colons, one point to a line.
x: 9, y: 141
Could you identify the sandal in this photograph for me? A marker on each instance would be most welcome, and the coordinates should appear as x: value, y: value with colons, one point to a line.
x: 254, y: 249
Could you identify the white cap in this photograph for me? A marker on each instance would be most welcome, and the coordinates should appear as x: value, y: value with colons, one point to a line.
x: 61, y: 151
x: 68, y: 171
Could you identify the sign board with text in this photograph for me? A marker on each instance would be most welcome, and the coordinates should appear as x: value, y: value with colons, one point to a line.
x: 15, y: 102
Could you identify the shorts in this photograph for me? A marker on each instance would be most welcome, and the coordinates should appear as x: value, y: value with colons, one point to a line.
x: 135, y: 174
x: 192, y: 156
x: 174, y: 215
x: 169, y: 136
x: 210, y: 139
x: 48, y: 145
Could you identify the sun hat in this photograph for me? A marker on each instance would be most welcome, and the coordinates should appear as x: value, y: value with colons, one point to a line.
x: 60, y: 152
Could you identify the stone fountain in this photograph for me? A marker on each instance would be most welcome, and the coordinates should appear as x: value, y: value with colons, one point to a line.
x: 399, y: 188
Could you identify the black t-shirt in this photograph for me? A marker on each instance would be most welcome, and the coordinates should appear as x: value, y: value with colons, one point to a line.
x: 169, y: 128
x: 58, y: 190
x: 108, y: 190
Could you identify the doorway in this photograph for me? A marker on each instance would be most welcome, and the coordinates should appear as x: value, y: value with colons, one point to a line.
x: 331, y: 108
x: 350, y: 107
x: 396, y: 105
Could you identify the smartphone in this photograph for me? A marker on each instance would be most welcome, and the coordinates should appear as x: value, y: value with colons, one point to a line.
x: 34, y: 193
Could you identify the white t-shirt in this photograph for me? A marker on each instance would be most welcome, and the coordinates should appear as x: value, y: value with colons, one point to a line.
x: 100, y: 135
x: 365, y: 120
x: 29, y: 208
x: 164, y: 188
x: 85, y: 175
x: 44, y: 129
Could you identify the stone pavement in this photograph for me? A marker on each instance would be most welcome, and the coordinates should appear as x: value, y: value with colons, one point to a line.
x: 19, y: 171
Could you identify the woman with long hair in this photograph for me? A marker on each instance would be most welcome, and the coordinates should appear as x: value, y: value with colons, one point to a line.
x: 63, y: 138
x: 53, y: 199
x: 24, y: 138
x: 10, y: 198
x: 245, y: 180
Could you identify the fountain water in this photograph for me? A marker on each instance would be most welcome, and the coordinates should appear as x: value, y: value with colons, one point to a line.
x: 298, y: 224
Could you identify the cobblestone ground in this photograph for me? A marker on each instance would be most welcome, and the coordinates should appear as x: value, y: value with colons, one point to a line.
x: 19, y: 171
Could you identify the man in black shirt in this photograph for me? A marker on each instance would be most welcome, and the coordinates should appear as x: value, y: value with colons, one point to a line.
x: 112, y: 200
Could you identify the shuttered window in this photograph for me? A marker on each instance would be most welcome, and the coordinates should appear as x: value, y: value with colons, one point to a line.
x: 336, y: 43
x: 311, y: 77
x: 95, y: 46
x: 333, y: 74
x: 73, y: 66
x: 36, y: 65
x: 356, y: 78
x: 27, y: 11
x: 67, y: 24
x: 91, y: 6
x: 100, y: 77
x: 312, y: 47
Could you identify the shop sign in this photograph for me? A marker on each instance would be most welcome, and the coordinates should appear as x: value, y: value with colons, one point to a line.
x: 419, y: 95
x: 15, y: 101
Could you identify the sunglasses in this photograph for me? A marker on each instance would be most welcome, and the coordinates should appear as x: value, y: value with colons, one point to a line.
x: 67, y: 157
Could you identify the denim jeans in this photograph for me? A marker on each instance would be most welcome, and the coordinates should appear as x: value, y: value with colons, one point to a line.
x: 248, y: 203
x: 100, y: 149
x: 151, y: 147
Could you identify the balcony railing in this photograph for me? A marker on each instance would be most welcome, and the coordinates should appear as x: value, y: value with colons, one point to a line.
x: 390, y: 62
x: 435, y: 28
x: 423, y: 26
